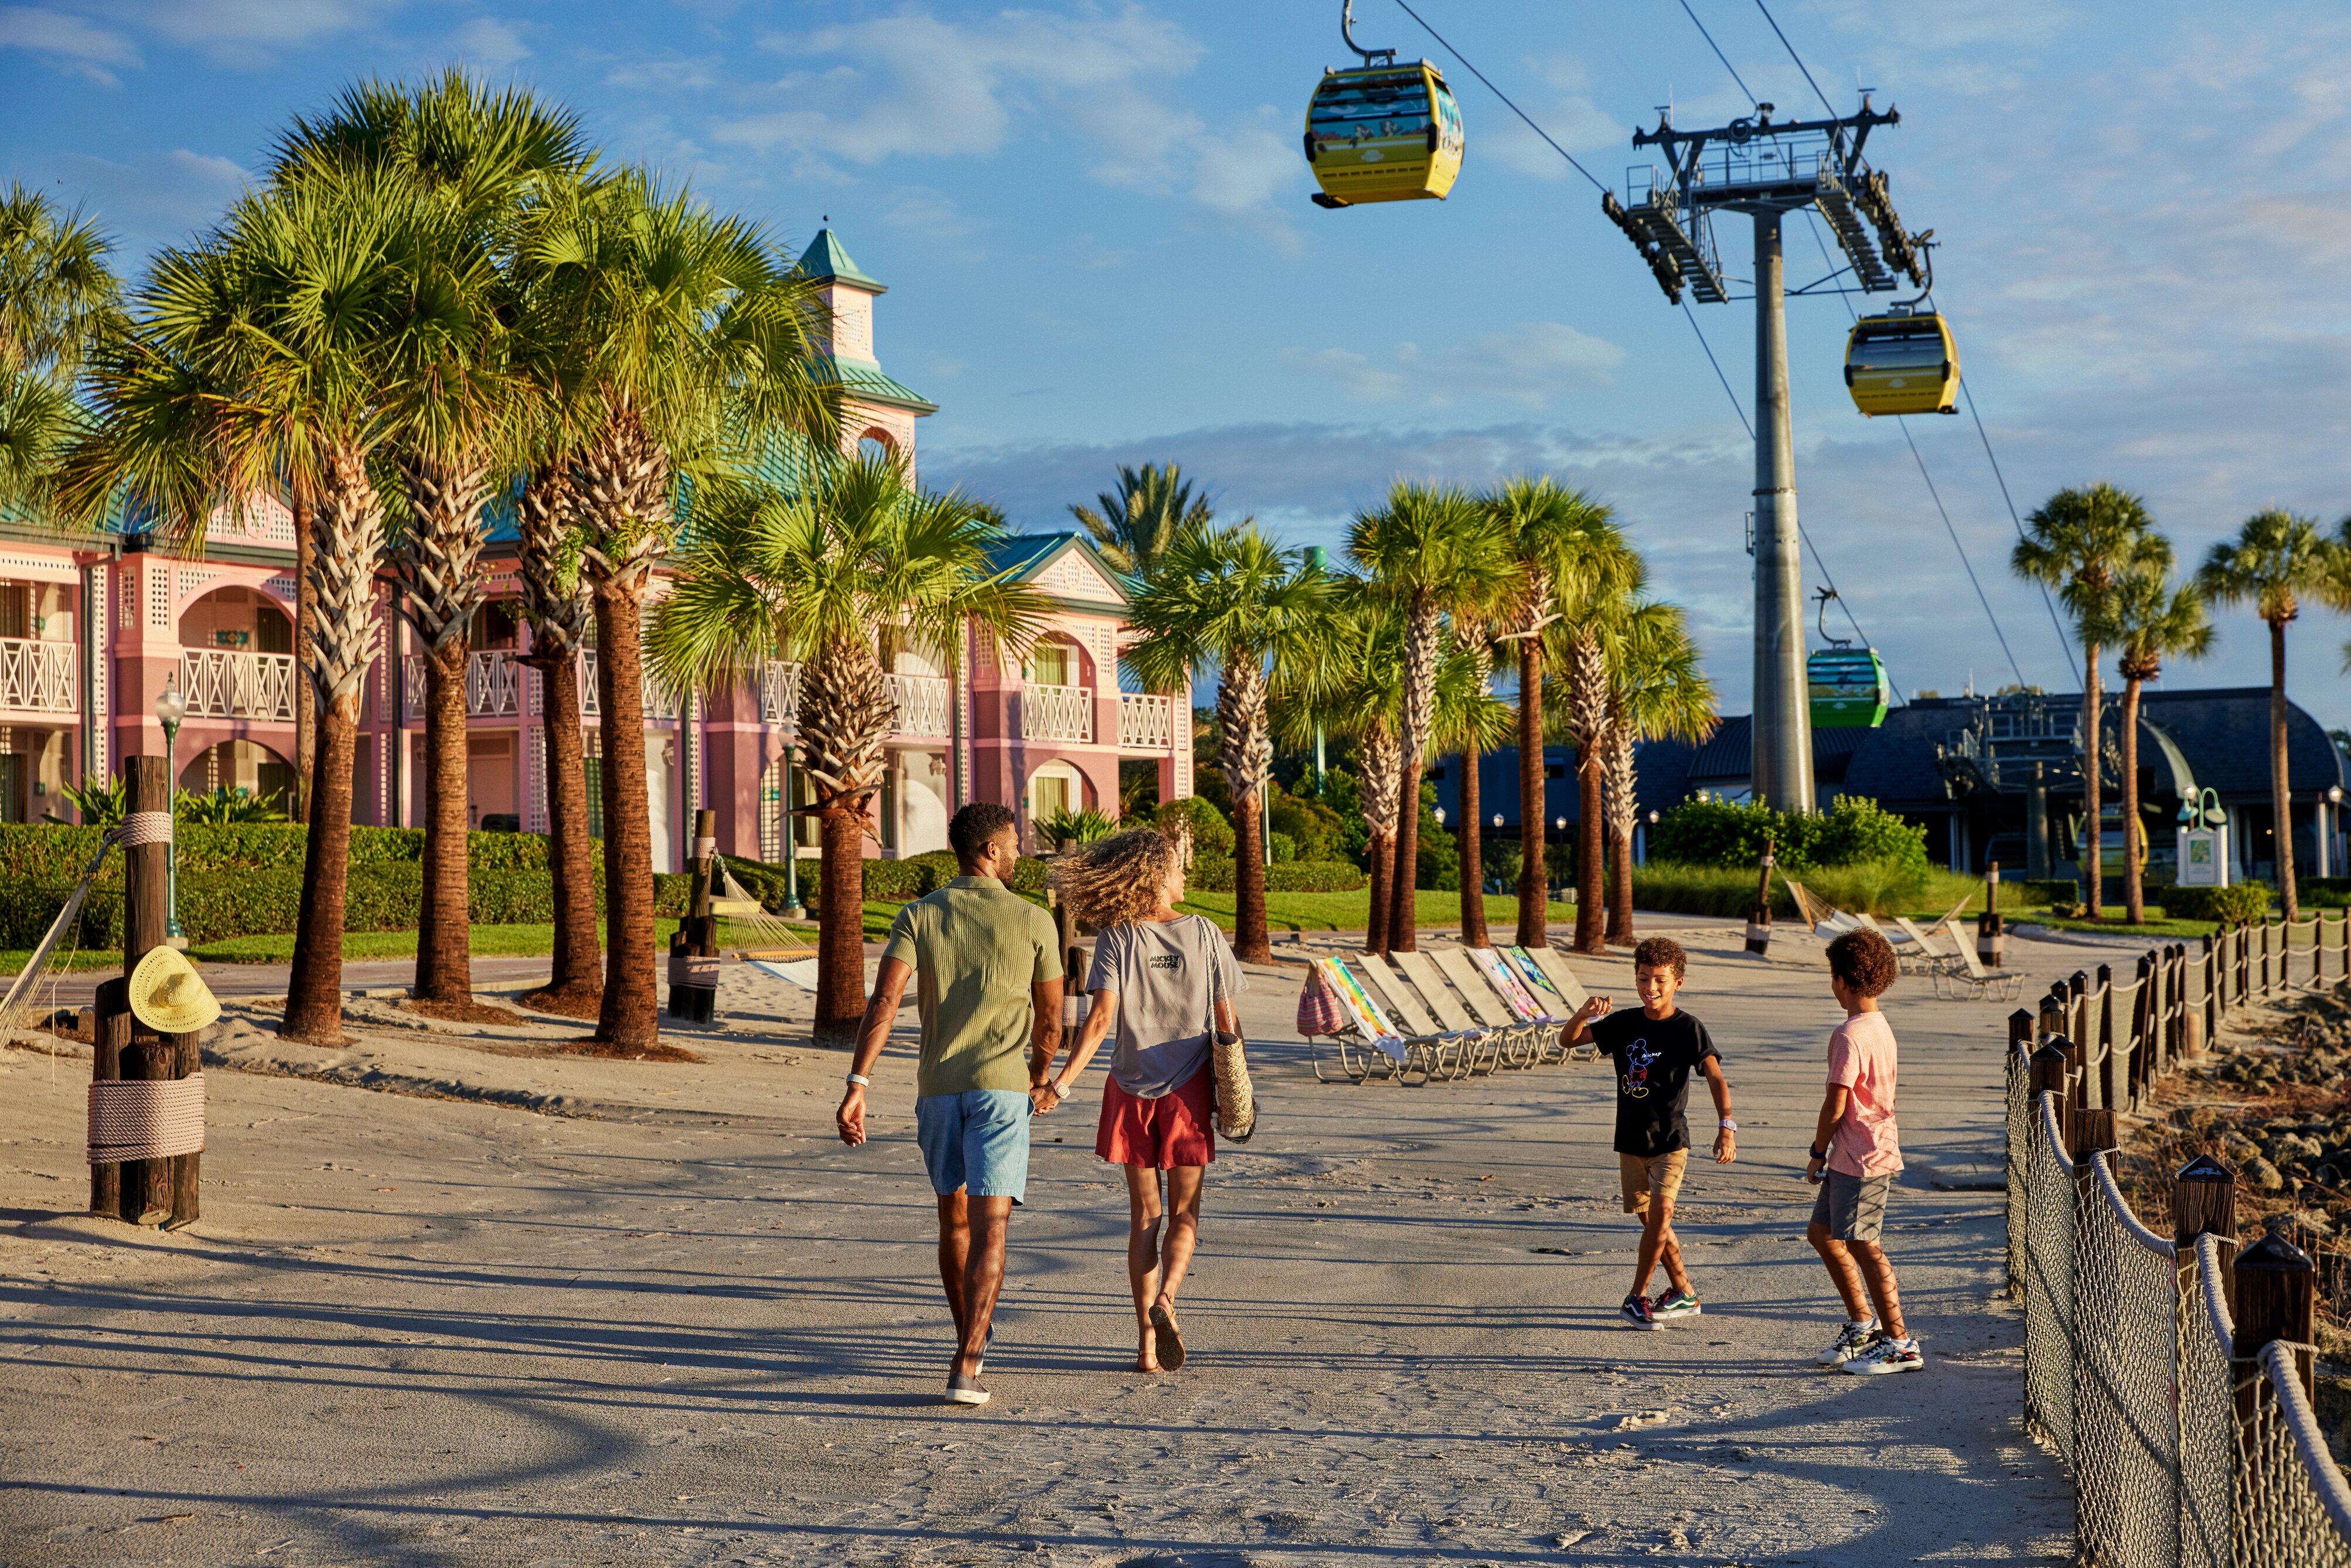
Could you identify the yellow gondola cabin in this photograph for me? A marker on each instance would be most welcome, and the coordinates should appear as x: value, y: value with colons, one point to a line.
x: 1903, y: 362
x: 1384, y: 133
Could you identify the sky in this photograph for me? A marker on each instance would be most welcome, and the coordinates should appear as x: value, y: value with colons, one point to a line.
x: 1093, y: 219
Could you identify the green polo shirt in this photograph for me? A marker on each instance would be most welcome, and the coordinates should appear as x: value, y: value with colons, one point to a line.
x: 975, y: 949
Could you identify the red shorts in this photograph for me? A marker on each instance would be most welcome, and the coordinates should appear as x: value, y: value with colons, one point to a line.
x: 1176, y: 1129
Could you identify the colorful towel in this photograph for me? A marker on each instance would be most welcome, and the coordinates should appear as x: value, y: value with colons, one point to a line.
x: 1537, y: 983
x: 1498, y: 972
x: 1363, y: 1013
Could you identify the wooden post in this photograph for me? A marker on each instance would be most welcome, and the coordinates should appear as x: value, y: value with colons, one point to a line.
x: 693, y: 946
x: 2143, y: 1030
x: 2051, y: 1074
x: 2204, y: 1197
x: 147, y: 1192
x: 2105, y: 1038
x: 2093, y: 1133
x: 2077, y: 1027
x: 2265, y: 957
x: 1990, y: 936
x: 2276, y: 1300
x: 1759, y: 915
x: 2020, y: 1033
x: 109, y: 1034
x: 2244, y: 945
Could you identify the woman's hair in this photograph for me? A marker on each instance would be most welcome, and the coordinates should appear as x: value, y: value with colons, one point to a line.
x: 1116, y: 879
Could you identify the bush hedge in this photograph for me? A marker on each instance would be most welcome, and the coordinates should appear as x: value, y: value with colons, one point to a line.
x: 1854, y: 830
x: 2242, y: 901
x: 1212, y: 833
x: 1215, y: 875
x: 49, y: 851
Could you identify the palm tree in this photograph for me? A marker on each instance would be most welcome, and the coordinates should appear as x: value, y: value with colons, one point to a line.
x: 1231, y: 597
x: 558, y: 613
x: 1348, y: 682
x: 1437, y: 553
x: 1567, y: 549
x: 676, y: 339
x: 1134, y: 525
x: 1470, y: 720
x: 1657, y: 690
x: 2081, y: 542
x: 59, y: 301
x: 814, y: 576
x: 2274, y: 562
x: 271, y: 349
x: 464, y: 395
x: 2151, y: 619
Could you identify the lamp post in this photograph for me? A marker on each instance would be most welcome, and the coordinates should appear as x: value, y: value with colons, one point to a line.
x: 170, y: 707
x: 1559, y: 826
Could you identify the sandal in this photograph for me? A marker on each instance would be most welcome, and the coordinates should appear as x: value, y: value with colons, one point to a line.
x: 1165, y: 1341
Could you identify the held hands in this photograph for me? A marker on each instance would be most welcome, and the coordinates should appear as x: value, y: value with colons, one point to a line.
x: 850, y: 1117
x: 1042, y: 1097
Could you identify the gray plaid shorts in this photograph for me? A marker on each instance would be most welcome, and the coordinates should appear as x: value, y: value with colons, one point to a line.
x: 1852, y: 1206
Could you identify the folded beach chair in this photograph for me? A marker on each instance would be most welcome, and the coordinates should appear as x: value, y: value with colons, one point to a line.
x: 1512, y: 1042
x: 1534, y: 1022
x: 1552, y: 965
x: 1367, y: 1044
x: 1476, y: 1044
x: 1825, y: 919
x: 1560, y: 1000
x: 1969, y: 980
x: 1928, y: 956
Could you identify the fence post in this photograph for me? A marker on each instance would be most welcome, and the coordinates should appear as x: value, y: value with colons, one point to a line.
x: 693, y: 946
x: 2265, y: 957
x: 2276, y: 1300
x: 2204, y: 1197
x: 2077, y: 1027
x: 1990, y: 934
x: 2049, y: 1068
x: 2143, y: 1062
x: 2244, y: 964
x: 159, y: 1191
x: 2105, y: 1036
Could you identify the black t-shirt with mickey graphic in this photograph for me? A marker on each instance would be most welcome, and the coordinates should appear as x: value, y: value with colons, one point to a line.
x: 1655, y: 1060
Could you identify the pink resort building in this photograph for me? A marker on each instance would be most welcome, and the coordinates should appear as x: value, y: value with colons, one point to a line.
x: 93, y: 627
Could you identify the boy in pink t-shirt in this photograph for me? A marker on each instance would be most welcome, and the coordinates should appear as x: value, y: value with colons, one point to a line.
x: 1855, y: 1151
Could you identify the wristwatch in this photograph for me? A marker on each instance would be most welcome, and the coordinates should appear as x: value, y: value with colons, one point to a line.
x: 1819, y: 1154
x: 860, y: 1080
x: 1728, y: 1126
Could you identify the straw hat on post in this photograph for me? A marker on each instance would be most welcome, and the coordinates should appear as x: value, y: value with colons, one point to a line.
x: 168, y: 996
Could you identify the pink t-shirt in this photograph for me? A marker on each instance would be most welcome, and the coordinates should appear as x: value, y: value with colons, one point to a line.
x: 1860, y: 1058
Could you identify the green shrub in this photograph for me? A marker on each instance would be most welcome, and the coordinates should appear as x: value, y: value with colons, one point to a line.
x: 1881, y: 887
x: 1212, y: 835
x: 52, y: 851
x: 1318, y: 831
x: 2243, y: 901
x: 1284, y: 847
x: 1857, y: 831
x: 1852, y: 831
x: 1283, y: 876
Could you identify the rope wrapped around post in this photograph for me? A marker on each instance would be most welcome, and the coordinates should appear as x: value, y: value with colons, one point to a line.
x: 146, y: 1119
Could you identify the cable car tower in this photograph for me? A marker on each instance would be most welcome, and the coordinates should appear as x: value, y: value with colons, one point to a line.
x: 1767, y: 171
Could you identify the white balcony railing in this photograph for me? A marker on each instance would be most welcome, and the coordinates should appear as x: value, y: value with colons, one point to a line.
x: 1057, y: 713
x: 923, y: 704
x: 779, y: 692
x: 1146, y: 723
x: 659, y: 700
x: 493, y: 685
x: 228, y: 683
x: 38, y: 676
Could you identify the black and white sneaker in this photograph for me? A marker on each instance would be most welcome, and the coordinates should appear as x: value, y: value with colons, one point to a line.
x: 1850, y: 1342
x: 1885, y: 1354
x: 1636, y: 1314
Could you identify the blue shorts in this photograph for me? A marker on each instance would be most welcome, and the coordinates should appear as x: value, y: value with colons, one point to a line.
x: 976, y: 1142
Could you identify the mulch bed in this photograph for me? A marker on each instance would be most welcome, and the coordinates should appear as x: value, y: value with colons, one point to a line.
x: 465, y: 1012
x: 605, y: 1051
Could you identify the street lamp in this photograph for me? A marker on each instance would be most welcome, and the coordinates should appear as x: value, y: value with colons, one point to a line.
x: 1497, y: 819
x: 1439, y: 812
x: 1559, y: 826
x: 170, y: 707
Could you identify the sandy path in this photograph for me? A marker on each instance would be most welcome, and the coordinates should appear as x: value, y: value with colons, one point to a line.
x: 691, y: 1328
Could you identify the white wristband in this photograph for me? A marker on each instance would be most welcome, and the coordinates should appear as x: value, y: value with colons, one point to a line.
x: 1728, y: 1126
x: 860, y: 1080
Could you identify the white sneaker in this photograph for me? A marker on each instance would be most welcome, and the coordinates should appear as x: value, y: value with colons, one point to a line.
x: 1887, y: 1354
x: 1850, y: 1342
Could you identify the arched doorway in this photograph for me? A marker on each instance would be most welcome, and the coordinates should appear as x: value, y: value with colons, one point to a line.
x: 240, y: 765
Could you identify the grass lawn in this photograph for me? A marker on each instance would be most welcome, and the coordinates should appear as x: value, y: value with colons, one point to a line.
x: 2157, y: 927
x: 488, y: 942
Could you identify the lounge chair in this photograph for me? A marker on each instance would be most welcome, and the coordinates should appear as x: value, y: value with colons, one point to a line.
x: 1552, y: 967
x: 1819, y: 916
x: 1535, y: 1021
x: 1559, y: 1004
x: 1368, y: 1045
x: 1970, y: 981
x: 1513, y: 1041
x: 1477, y: 1045
x: 1928, y: 956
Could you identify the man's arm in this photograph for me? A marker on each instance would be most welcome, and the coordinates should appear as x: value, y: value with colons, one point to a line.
x: 872, y: 1034
x: 1833, y: 1106
x: 1726, y: 1139
x: 1090, y: 1038
x: 1044, y: 1031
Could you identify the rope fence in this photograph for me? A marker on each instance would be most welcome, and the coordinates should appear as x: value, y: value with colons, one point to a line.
x: 2173, y: 1376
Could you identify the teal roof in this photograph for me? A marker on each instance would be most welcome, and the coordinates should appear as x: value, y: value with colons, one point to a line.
x: 826, y: 257
x: 865, y: 379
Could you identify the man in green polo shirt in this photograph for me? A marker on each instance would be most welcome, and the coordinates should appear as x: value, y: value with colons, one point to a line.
x: 989, y: 981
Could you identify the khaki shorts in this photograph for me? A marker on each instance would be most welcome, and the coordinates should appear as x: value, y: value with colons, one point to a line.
x: 1659, y: 1174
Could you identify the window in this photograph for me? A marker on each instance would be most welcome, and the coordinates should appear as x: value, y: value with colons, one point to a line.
x: 1053, y: 665
x: 15, y: 613
x: 272, y: 631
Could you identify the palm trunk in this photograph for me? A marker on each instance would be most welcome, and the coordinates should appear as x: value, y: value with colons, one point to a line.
x: 2093, y: 765
x: 841, y: 926
x: 1404, y: 890
x: 844, y: 716
x: 1534, y: 883
x: 1382, y: 851
x: 630, y: 1014
x: 575, y: 987
x: 306, y: 717
x: 1252, y: 944
x: 1623, y: 812
x: 2134, y: 883
x: 1588, y: 700
x: 2281, y: 791
x: 1473, y: 858
x: 444, y: 969
x: 346, y: 522
x: 1375, y: 754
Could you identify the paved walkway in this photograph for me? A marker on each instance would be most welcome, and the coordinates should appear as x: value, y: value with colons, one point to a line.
x: 686, y: 1326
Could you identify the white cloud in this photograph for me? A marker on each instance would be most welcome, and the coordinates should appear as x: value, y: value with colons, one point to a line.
x: 162, y: 199
x: 71, y: 42
x: 1576, y: 124
x: 930, y: 212
x: 667, y: 73
x: 225, y: 24
x: 1529, y: 364
x: 1354, y: 374
x: 489, y: 44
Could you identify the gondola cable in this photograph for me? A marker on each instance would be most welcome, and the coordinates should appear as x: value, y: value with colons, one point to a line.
x: 1597, y: 183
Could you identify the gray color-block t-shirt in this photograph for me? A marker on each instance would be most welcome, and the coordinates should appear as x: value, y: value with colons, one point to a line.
x: 1160, y: 971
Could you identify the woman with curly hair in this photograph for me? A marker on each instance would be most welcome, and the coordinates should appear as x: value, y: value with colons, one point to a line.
x: 1152, y: 973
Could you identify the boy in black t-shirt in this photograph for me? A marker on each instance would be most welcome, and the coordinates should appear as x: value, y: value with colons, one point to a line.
x: 1655, y: 1051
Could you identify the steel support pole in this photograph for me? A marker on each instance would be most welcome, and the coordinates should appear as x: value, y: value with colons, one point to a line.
x: 1782, y: 766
